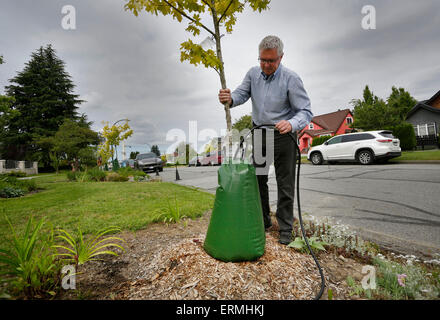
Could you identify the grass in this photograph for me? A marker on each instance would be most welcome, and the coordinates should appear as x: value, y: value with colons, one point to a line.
x: 95, y: 205
x: 419, y: 155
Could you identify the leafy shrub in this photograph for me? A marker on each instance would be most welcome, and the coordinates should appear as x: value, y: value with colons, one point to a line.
x: 11, y: 192
x: 80, y: 251
x: 114, y: 176
x: 417, y: 284
x: 96, y: 174
x: 18, y: 174
x: 28, y: 185
x: 317, y: 141
x: 405, y: 133
x: 129, y: 171
x: 11, y: 187
x: 71, y: 175
x: 30, y: 264
x: 301, y: 245
x: 171, y: 214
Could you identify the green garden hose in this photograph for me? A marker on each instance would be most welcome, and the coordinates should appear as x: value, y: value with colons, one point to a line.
x: 318, y: 296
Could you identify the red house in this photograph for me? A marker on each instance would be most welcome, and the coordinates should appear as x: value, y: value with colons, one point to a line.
x: 329, y: 124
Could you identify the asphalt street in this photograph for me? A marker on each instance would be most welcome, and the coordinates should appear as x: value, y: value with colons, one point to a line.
x: 396, y: 205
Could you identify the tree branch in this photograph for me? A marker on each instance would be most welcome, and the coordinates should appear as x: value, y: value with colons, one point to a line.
x: 221, y: 17
x: 189, y: 18
x: 207, y: 4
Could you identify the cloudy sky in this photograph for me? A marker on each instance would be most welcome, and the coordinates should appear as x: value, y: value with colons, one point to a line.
x: 129, y: 67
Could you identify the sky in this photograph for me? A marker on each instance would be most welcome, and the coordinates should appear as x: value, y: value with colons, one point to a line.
x: 128, y: 67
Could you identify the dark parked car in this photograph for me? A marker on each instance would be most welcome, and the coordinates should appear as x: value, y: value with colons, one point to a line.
x: 149, y: 162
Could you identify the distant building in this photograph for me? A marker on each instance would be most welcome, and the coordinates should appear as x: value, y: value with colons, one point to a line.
x: 329, y: 124
x: 425, y: 117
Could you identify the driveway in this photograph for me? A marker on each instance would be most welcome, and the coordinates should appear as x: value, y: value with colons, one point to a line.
x: 396, y: 205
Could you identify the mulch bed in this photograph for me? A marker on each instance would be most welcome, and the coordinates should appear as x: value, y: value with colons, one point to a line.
x: 168, y: 262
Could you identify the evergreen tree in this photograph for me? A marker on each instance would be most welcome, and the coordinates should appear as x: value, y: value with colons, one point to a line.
x: 133, y: 154
x: 44, y: 97
x: 156, y: 150
x: 400, y: 103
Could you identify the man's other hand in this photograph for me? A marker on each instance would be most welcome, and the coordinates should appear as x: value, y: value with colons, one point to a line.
x: 224, y: 96
x: 284, y: 126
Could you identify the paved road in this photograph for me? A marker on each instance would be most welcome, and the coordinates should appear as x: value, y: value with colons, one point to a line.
x: 396, y: 205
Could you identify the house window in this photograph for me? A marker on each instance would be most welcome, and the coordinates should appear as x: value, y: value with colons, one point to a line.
x: 425, y: 129
x: 310, y: 126
x: 349, y: 120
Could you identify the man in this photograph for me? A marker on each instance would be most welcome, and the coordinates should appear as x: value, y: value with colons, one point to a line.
x: 279, y: 98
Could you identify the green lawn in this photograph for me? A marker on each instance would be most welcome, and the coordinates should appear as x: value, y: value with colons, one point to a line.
x: 420, y: 155
x: 94, y: 205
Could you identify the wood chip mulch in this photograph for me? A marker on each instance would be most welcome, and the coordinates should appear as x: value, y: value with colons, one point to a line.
x: 185, y: 271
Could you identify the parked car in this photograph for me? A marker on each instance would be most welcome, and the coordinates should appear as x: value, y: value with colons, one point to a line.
x: 128, y: 163
x: 363, y: 147
x: 194, y: 162
x: 149, y: 162
x: 212, y: 158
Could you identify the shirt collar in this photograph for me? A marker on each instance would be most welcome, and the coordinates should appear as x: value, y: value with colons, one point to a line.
x: 273, y: 75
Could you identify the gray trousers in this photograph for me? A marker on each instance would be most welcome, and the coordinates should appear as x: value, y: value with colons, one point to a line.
x: 284, y: 158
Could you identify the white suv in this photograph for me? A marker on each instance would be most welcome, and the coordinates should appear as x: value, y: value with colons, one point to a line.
x: 364, y: 147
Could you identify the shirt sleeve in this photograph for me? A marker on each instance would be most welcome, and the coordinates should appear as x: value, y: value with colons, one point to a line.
x: 300, y: 103
x: 243, y: 91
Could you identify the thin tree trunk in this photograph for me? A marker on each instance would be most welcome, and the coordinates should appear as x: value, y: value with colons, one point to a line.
x: 222, y: 73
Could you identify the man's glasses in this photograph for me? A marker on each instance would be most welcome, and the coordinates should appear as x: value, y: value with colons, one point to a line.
x: 268, y: 61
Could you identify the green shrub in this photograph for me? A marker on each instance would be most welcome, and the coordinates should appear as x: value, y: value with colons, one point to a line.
x: 96, y: 174
x: 129, y: 171
x: 30, y: 266
x: 405, y: 133
x: 115, y: 165
x: 418, y: 284
x: 320, y: 140
x: 18, y: 174
x: 11, y: 192
x: 11, y: 187
x: 28, y: 185
x: 71, y: 175
x: 114, y: 176
x: 79, y: 251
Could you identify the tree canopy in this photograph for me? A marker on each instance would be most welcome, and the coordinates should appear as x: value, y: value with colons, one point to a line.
x: 73, y: 142
x: 222, y: 13
x: 374, y: 113
x: 43, y: 98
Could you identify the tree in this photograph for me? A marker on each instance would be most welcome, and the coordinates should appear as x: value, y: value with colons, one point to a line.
x: 112, y: 136
x: 43, y: 97
x: 400, y: 103
x: 133, y: 154
x: 372, y: 113
x: 156, y: 150
x: 245, y: 122
x: 1, y: 60
x: 223, y: 14
x: 72, y: 142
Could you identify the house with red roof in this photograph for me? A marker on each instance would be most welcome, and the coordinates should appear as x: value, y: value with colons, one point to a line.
x: 329, y: 124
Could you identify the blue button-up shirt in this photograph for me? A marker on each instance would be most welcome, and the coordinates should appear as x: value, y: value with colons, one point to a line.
x: 280, y: 96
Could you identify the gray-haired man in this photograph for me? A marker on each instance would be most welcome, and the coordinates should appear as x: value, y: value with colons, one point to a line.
x: 279, y: 98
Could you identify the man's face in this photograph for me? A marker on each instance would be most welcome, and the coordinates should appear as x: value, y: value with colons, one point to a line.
x: 269, y: 60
